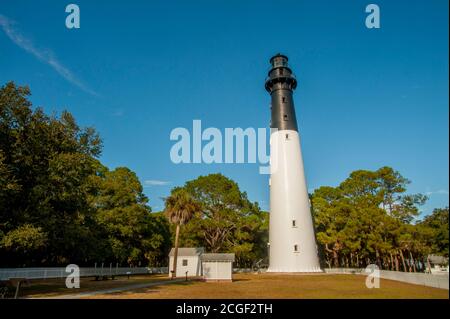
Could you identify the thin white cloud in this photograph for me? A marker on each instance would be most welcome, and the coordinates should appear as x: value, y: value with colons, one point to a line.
x: 438, y: 192
x: 118, y: 113
x: 154, y: 182
x: 45, y: 56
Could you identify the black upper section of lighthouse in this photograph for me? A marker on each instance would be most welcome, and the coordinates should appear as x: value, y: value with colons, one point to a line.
x: 281, y: 83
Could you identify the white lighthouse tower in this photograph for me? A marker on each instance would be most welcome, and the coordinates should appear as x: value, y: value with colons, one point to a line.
x: 292, y: 244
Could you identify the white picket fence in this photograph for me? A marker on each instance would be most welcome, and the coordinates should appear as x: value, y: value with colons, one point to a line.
x: 60, y: 272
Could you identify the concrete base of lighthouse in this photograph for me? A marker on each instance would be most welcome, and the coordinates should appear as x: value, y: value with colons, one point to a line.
x: 295, y: 271
x: 292, y: 244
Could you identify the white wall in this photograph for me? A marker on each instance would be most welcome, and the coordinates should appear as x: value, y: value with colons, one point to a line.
x: 429, y: 280
x: 193, y: 266
x: 220, y: 270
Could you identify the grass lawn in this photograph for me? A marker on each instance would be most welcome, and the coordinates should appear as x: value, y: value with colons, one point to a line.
x: 55, y: 287
x: 284, y: 286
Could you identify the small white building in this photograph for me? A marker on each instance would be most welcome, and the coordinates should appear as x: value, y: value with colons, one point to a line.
x: 439, y: 264
x: 217, y: 267
x: 188, y: 262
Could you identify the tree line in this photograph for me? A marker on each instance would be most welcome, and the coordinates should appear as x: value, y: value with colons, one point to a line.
x: 370, y: 219
x: 59, y: 204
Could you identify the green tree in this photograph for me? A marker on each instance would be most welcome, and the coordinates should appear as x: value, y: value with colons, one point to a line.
x: 180, y: 208
x: 227, y: 221
x: 158, y: 242
x: 133, y: 233
x: 392, y: 186
x: 45, y: 164
x: 434, y: 229
x: 24, y: 241
x: 331, y: 213
x: 367, y: 219
x: 58, y: 203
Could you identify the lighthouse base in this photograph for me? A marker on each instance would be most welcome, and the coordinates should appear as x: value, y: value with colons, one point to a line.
x: 292, y: 270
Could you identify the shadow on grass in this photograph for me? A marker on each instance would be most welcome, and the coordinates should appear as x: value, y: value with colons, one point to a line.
x: 240, y: 279
x: 184, y: 283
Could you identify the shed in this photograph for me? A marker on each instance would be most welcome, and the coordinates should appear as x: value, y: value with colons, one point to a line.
x: 217, y: 267
x: 438, y: 264
x: 188, y: 261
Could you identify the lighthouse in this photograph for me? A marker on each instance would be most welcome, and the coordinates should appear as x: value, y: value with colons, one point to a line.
x: 292, y: 244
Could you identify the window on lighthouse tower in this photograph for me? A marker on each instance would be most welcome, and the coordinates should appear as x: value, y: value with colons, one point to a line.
x: 296, y: 248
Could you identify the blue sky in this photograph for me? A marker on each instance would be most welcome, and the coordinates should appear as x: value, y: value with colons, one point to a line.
x: 135, y: 70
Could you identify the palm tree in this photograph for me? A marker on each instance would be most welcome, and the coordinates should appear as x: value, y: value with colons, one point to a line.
x: 180, y: 208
